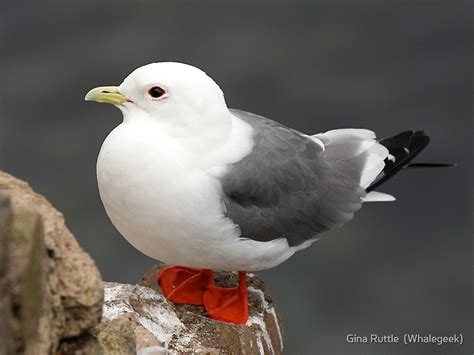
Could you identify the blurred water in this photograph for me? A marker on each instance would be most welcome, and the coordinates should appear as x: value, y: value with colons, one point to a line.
x: 384, y: 65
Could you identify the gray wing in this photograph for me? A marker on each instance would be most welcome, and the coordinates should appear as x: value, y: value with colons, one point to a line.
x: 285, y: 188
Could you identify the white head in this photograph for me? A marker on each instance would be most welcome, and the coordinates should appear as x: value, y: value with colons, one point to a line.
x: 176, y: 96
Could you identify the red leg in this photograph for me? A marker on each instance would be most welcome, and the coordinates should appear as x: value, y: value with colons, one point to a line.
x: 185, y: 285
x: 228, y: 304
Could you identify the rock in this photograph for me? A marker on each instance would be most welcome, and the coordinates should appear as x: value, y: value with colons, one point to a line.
x: 51, y: 290
x: 160, y: 327
x: 26, y: 278
x: 6, y: 333
x: 117, y: 337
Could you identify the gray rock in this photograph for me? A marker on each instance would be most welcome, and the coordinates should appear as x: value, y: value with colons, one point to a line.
x: 54, y: 289
x: 162, y: 327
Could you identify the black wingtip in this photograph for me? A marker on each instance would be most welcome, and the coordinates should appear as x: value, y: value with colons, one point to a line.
x: 403, y: 148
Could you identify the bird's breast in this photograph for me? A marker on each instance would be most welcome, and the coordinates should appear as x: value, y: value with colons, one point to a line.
x: 154, y: 196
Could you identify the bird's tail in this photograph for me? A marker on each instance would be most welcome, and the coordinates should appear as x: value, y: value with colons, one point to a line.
x: 402, y: 148
x: 356, y: 154
x: 356, y: 157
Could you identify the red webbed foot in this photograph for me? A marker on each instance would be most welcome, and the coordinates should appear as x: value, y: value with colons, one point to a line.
x: 228, y: 304
x: 185, y: 285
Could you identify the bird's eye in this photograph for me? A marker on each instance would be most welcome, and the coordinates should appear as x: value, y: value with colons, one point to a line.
x: 156, y: 92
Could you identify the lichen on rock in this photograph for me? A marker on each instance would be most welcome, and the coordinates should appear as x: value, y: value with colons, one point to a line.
x: 159, y: 324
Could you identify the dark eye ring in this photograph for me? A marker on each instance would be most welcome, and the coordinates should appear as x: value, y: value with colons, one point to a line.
x: 156, y: 92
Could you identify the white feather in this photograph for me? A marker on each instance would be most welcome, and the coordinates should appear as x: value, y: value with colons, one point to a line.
x: 375, y: 196
x: 358, y: 148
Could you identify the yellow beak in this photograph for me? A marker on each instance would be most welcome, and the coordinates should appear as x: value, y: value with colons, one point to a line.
x: 106, y: 94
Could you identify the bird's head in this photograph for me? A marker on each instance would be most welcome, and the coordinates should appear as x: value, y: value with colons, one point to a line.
x: 172, y: 93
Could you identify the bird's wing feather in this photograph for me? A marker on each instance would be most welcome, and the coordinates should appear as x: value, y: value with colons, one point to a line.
x: 292, y: 186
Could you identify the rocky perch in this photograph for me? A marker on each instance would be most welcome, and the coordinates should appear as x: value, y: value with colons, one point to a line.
x: 53, y: 300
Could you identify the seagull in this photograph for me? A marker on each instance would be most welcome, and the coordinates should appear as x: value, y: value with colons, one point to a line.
x: 201, y: 187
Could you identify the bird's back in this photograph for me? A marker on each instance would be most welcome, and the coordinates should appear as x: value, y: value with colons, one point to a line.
x: 296, y: 186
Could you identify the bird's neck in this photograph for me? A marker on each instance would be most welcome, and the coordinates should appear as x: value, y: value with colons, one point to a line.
x: 197, y: 132
x: 205, y: 131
